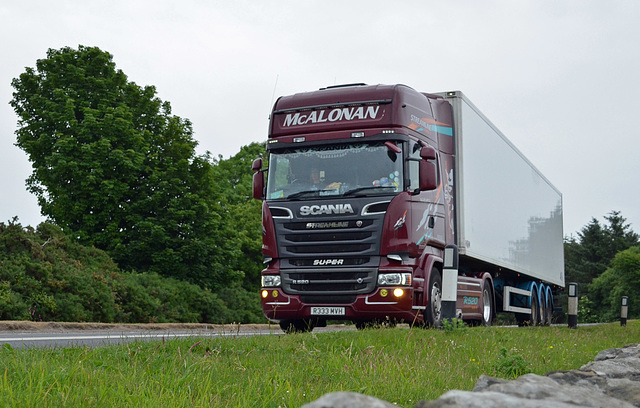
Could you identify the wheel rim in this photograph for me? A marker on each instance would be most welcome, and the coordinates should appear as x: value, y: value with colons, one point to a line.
x: 534, y: 309
x: 436, y: 302
x: 486, y: 305
x: 548, y: 312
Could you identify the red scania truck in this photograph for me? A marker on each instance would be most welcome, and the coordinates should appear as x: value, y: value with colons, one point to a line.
x: 366, y: 188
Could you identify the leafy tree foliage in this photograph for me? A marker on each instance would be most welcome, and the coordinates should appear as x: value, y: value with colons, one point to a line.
x: 588, y: 256
x: 621, y: 279
x: 241, y: 218
x: 240, y: 213
x: 113, y: 167
x: 45, y: 275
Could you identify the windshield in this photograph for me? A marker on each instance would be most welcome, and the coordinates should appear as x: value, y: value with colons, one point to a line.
x: 353, y: 169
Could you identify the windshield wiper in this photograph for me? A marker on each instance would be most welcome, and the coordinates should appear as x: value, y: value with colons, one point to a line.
x: 304, y: 192
x: 360, y: 189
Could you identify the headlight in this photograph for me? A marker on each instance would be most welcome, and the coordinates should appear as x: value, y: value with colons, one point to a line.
x: 270, y: 281
x: 394, y: 279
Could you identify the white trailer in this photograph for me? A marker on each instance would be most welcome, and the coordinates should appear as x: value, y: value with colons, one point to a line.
x: 508, y: 214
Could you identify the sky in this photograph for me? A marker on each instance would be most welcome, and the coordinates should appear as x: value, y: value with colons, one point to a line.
x: 558, y: 78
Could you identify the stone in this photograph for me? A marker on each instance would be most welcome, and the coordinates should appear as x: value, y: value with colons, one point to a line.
x: 484, y: 399
x: 348, y: 400
x: 612, y: 380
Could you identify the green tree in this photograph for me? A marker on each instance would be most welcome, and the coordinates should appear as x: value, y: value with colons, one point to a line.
x: 618, y: 234
x: 588, y: 256
x: 46, y: 275
x: 240, y: 212
x: 621, y: 279
x: 585, y: 256
x: 113, y: 167
x: 241, y: 218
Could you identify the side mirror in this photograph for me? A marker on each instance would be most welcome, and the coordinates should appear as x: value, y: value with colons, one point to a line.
x: 428, y: 176
x: 428, y: 170
x: 428, y: 153
x: 258, y: 179
x: 258, y: 185
x: 257, y: 164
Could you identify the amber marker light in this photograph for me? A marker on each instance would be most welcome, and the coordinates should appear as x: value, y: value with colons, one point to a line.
x: 398, y: 292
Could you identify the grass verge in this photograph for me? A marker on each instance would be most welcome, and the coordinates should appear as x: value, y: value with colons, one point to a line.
x: 399, y: 365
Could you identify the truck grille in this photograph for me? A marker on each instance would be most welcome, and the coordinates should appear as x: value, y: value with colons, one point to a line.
x: 313, y: 261
x: 340, y: 238
x: 323, y: 281
x: 329, y: 259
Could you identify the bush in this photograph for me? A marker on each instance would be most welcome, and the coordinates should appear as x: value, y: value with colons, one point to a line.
x: 45, y: 275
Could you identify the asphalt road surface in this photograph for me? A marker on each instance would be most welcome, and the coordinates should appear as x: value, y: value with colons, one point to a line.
x: 34, y: 334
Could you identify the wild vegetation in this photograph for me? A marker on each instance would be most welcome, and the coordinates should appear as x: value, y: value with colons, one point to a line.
x: 399, y: 365
x: 47, y: 276
x: 605, y: 262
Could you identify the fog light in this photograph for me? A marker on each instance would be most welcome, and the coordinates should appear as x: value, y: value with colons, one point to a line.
x: 398, y: 292
x: 384, y: 292
x: 265, y: 294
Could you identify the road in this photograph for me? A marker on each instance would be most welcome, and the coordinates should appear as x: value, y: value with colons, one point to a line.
x: 34, y: 334
x: 47, y: 334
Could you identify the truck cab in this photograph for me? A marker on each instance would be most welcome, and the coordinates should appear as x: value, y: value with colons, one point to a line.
x: 355, y: 206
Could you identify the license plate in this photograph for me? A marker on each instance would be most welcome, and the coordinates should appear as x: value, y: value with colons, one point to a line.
x: 327, y: 311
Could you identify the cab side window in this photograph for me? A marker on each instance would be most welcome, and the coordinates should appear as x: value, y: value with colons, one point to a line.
x: 413, y: 166
x: 414, y: 160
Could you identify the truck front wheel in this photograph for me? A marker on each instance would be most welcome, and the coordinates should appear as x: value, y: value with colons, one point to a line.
x: 293, y: 326
x: 433, y: 311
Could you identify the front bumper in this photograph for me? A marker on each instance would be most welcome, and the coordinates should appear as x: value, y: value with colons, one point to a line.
x: 381, y: 304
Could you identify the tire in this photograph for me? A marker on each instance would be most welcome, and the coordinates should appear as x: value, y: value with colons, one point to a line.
x: 373, y: 324
x: 296, y: 326
x: 487, y: 304
x: 433, y: 310
x: 548, y: 311
x: 533, y: 318
x: 361, y: 325
x: 542, y: 306
x: 535, y: 309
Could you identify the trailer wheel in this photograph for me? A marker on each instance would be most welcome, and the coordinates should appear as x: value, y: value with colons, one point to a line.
x: 535, y: 309
x: 532, y: 319
x: 487, y: 304
x: 548, y: 311
x: 433, y: 311
x: 541, y: 310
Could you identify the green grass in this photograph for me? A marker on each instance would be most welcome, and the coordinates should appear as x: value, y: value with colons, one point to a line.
x: 399, y: 365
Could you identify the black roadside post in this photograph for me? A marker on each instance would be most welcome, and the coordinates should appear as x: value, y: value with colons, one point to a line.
x: 449, y: 282
x: 573, y: 305
x: 624, y: 311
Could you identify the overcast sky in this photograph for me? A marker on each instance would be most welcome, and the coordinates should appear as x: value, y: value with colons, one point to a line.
x: 559, y: 78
